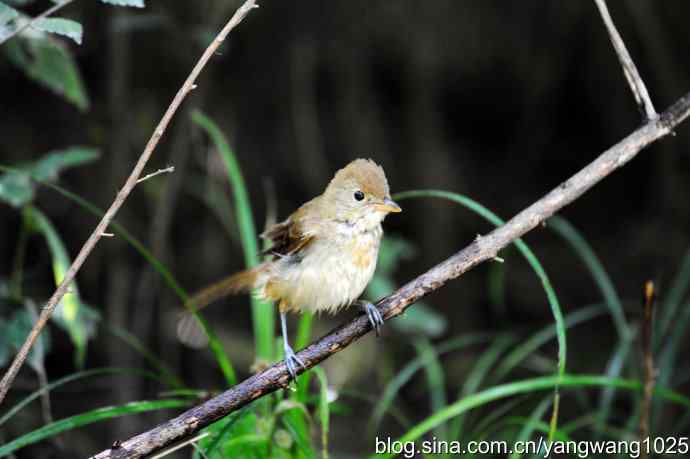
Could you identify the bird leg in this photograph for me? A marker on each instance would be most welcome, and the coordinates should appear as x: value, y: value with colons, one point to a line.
x: 374, y: 315
x: 292, y: 362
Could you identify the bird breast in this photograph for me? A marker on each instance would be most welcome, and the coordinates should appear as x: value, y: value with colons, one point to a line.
x: 329, y: 274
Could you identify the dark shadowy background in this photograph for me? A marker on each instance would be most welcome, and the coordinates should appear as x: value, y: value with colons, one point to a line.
x: 497, y: 100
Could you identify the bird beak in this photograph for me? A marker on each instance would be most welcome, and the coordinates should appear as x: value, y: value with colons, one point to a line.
x: 389, y: 205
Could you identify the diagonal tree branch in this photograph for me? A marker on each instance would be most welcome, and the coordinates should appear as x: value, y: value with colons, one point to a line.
x: 637, y: 86
x: 131, y: 182
x: 482, y: 249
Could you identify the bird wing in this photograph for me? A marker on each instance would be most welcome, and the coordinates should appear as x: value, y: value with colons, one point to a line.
x: 289, y: 237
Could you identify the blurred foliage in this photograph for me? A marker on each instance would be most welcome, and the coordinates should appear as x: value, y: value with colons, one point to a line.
x: 49, y: 63
x: 17, y: 185
x: 14, y: 332
x: 421, y: 319
x: 446, y: 97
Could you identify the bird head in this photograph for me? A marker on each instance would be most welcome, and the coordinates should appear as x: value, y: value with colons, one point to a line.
x: 359, y: 194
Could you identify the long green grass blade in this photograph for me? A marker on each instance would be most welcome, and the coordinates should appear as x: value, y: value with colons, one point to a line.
x: 324, y: 411
x: 212, y: 443
x: 70, y: 311
x: 611, y: 298
x: 435, y: 380
x: 263, y: 313
x: 666, y: 361
x: 68, y: 379
x: 79, y: 420
x: 539, y: 426
x: 534, y: 342
x: 304, y: 329
x: 135, y: 343
x: 531, y: 424
x: 567, y: 231
x: 214, y: 343
x: 674, y: 298
x: 528, y: 386
x: 294, y: 422
x: 614, y: 368
x: 406, y: 373
x: 477, y: 374
x: 216, y: 200
x: 491, y: 422
x: 372, y: 399
x: 303, y: 336
x: 531, y: 259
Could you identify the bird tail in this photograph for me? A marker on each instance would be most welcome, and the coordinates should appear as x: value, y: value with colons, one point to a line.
x: 189, y: 329
x: 237, y: 283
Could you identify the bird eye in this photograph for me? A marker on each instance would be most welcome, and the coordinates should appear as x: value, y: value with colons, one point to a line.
x: 359, y: 195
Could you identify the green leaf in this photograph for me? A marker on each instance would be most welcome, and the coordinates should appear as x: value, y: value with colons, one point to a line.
x: 294, y: 423
x: 54, y: 162
x: 420, y: 320
x: 218, y: 431
x: 132, y: 3
x: 393, y: 250
x: 7, y: 14
x: 297, y: 422
x: 242, y: 439
x: 121, y: 232
x: 16, y: 189
x: 71, y: 314
x: 263, y: 312
x: 49, y: 63
x: 60, y: 26
x: 100, y: 414
x: 4, y: 346
x: 15, y: 333
x: 19, y: 2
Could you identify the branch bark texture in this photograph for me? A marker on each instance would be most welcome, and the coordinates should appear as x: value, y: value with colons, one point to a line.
x: 482, y: 249
x: 122, y: 195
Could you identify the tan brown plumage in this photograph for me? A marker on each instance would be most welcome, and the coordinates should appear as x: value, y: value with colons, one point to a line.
x: 324, y: 254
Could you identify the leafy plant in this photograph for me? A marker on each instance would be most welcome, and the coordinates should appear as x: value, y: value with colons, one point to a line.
x: 263, y: 313
x: 17, y: 188
x: 41, y: 55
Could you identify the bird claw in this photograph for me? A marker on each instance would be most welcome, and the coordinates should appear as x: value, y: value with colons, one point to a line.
x: 292, y: 362
x: 374, y: 315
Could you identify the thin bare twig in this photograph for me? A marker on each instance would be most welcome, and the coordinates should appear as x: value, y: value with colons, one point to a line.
x: 167, y: 170
x: 637, y: 86
x: 131, y: 182
x: 32, y: 21
x: 649, y: 371
x: 480, y: 250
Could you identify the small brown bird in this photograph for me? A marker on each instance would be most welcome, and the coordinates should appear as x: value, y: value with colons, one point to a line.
x: 323, y: 255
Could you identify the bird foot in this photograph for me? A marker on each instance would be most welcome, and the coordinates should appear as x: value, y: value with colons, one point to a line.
x: 375, y: 317
x: 292, y: 362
